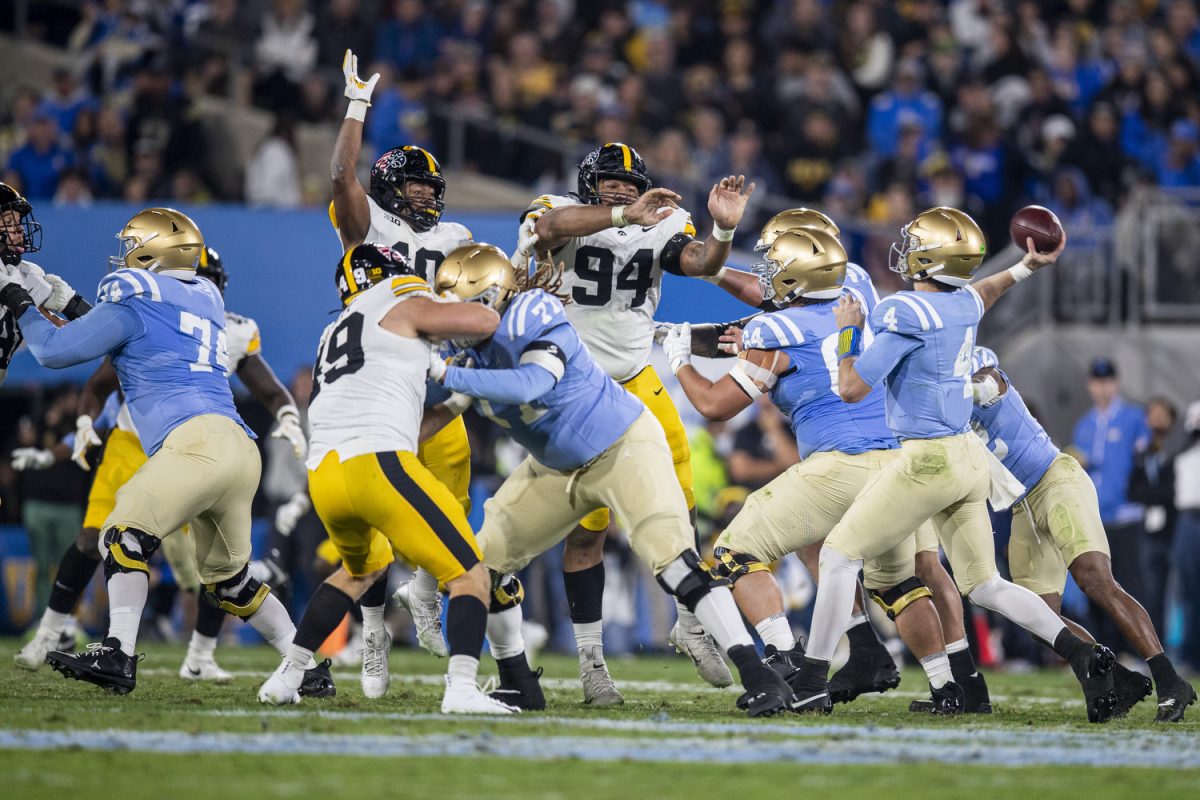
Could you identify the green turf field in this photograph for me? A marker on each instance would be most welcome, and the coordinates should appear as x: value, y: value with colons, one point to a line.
x: 673, y: 737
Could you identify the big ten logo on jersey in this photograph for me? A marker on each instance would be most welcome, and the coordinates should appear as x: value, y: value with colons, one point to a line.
x: 424, y: 261
x: 596, y: 266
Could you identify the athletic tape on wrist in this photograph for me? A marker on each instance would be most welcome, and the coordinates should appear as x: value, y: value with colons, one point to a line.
x: 723, y: 234
x: 357, y: 110
x: 715, y: 279
x: 1020, y: 272
x: 618, y: 217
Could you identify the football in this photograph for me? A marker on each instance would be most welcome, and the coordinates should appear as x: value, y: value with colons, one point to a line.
x: 1037, y: 223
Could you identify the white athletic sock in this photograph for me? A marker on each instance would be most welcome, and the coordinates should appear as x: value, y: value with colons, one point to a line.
x: 273, y: 624
x: 937, y: 669
x: 835, y: 602
x: 463, y: 669
x: 1019, y: 605
x: 504, y: 633
x: 372, y: 621
x: 127, y: 593
x: 776, y: 631
x: 959, y: 646
x: 718, y: 615
x: 686, y: 618
x: 201, y: 645
x: 588, y: 635
x: 53, y: 623
x: 300, y: 658
x: 424, y: 586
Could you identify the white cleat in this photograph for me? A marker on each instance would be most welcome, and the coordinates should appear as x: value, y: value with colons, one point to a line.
x: 203, y: 668
x: 699, y: 646
x: 33, y: 654
x: 283, y: 687
x: 427, y: 616
x: 464, y: 697
x: 375, y: 677
x: 598, y: 686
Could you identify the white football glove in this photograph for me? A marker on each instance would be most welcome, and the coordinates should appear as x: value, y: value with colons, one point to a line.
x: 33, y: 278
x: 356, y: 89
x: 289, y: 428
x: 526, y: 240
x: 24, y: 458
x: 678, y: 346
x: 457, y: 403
x: 85, y: 439
x: 288, y: 515
x: 437, y: 366
x: 61, y: 294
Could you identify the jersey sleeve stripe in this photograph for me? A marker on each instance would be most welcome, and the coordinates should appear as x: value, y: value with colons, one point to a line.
x: 152, y: 281
x: 791, y: 326
x: 933, y: 314
x: 132, y: 280
x: 780, y: 335
x: 516, y: 312
x: 978, y: 300
x: 859, y: 297
x: 908, y: 301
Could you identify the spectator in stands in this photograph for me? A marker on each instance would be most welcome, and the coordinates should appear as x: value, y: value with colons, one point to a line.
x: 1186, y: 552
x: 1097, y: 151
x: 409, y: 40
x: 1107, y: 438
x: 220, y: 48
x: 865, y: 51
x: 343, y: 25
x: 907, y: 99
x: 73, y: 188
x: 1179, y: 164
x: 395, y: 118
x: 14, y: 125
x: 273, y: 174
x: 41, y: 159
x: 1072, y: 200
x: 286, y: 50
x: 65, y: 99
x: 108, y: 158
x: 762, y: 448
x: 1152, y: 484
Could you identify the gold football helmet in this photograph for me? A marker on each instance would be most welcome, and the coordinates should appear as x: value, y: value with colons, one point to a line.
x: 478, y: 273
x: 802, y: 262
x: 790, y: 220
x: 159, y: 239
x: 942, y: 244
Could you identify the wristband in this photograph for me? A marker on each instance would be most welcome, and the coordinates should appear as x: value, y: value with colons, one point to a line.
x: 1020, y: 272
x: 357, y: 110
x: 723, y: 234
x: 286, y: 411
x: 618, y: 217
x: 76, y: 307
x: 849, y: 342
x: 715, y: 279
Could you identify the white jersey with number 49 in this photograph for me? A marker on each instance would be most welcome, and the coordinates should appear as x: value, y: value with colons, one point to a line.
x: 614, y: 279
x: 368, y: 383
x: 425, y: 250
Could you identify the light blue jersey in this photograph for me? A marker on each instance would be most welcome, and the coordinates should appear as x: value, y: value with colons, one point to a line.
x: 922, y: 352
x: 574, y: 418
x: 807, y: 392
x: 1012, y: 434
x: 175, y: 366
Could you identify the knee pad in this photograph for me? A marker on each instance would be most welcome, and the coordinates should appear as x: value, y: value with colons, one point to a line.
x: 689, y: 579
x: 507, y: 592
x: 242, y: 595
x: 127, y: 550
x: 731, y: 566
x: 900, y: 596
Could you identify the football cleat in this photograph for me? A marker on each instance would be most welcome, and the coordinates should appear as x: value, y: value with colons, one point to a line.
x: 34, y: 653
x: 1093, y: 667
x: 521, y: 690
x: 598, y: 686
x: 870, y: 669
x: 1132, y: 688
x: 426, y: 616
x: 203, y: 667
x: 811, y: 690
x: 283, y: 687
x: 317, y: 682
x: 698, y: 645
x: 976, y: 699
x: 464, y: 697
x: 1173, y: 700
x: 375, y: 677
x: 767, y: 693
x: 948, y: 700
x: 103, y: 664
x: 783, y: 662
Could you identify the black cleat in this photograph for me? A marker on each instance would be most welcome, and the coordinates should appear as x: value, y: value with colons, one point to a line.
x: 783, y: 662
x: 318, y: 682
x: 868, y: 670
x: 811, y: 689
x: 1093, y: 667
x: 976, y: 699
x: 767, y: 694
x: 102, y: 664
x: 520, y: 688
x: 949, y: 700
x: 1173, y: 700
x: 1131, y: 687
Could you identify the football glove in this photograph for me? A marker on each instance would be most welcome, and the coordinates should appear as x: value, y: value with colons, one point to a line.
x: 288, y: 515
x: 13, y: 294
x: 33, y: 278
x: 61, y: 293
x: 356, y: 88
x: 25, y: 458
x: 678, y: 346
x: 289, y: 428
x: 526, y: 241
x: 85, y: 439
x: 437, y: 366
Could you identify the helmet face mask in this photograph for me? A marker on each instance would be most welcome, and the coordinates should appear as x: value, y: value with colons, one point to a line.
x: 365, y: 265
x: 17, y: 222
x: 802, y: 264
x: 940, y: 244
x: 393, y: 177
x: 159, y: 240
x: 612, y: 161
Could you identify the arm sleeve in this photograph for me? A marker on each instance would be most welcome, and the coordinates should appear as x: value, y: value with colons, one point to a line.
x: 883, y: 355
x: 672, y: 251
x: 524, y: 384
x: 95, y: 334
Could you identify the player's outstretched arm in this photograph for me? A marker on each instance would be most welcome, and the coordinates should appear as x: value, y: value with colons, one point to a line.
x: 556, y: 226
x: 754, y: 374
x: 993, y: 287
x: 91, y: 336
x: 350, y: 207
x: 422, y: 316
x: 726, y: 204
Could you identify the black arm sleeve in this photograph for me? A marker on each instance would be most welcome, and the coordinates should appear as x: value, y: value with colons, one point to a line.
x: 76, y: 307
x: 672, y: 251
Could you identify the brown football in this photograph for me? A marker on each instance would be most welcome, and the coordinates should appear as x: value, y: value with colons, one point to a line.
x: 1037, y: 223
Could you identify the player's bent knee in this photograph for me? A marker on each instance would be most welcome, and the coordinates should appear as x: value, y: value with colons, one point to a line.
x: 127, y: 550
x: 242, y: 595
x: 732, y: 566
x: 507, y: 592
x: 894, y: 600
x: 689, y: 580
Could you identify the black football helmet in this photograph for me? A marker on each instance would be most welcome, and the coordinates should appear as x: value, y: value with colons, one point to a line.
x: 397, y: 167
x: 11, y: 200
x: 213, y: 268
x: 365, y: 265
x: 612, y: 160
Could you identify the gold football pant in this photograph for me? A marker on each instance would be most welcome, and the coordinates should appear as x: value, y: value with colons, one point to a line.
x: 648, y: 387
x: 538, y: 506
x: 205, y: 473
x: 1058, y: 521
x: 378, y: 503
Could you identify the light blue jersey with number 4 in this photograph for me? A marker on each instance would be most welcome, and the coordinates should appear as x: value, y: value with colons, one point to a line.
x: 922, y: 352
x: 177, y: 367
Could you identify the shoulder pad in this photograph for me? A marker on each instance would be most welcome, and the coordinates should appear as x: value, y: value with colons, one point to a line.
x: 680, y: 221
x: 407, y: 285
x: 125, y: 284
x: 544, y: 203
x: 530, y: 314
x: 771, y: 332
x: 982, y: 358
x: 904, y: 312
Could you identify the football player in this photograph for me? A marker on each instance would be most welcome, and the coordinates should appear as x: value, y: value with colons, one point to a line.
x: 165, y: 331
x: 922, y: 347
x: 789, y: 354
x: 1056, y: 528
x: 592, y: 445
x: 616, y: 236
x: 367, y: 485
x: 123, y: 456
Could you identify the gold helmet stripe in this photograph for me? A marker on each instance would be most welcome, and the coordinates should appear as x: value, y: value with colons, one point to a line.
x: 428, y: 157
x: 351, y: 284
x: 627, y: 157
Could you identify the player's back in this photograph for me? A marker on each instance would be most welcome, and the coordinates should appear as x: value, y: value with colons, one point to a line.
x: 583, y: 414
x: 425, y: 250
x: 929, y: 392
x: 177, y: 367
x: 1010, y: 431
x: 368, y: 383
